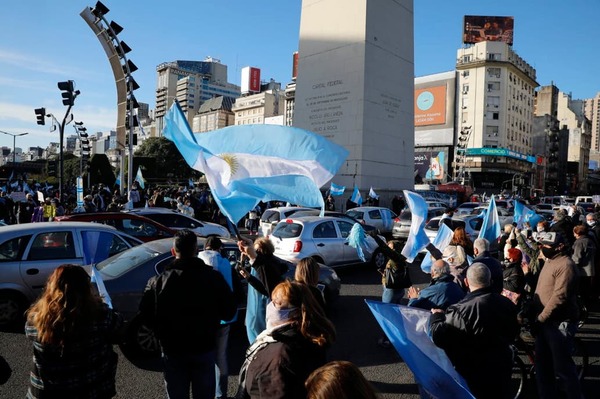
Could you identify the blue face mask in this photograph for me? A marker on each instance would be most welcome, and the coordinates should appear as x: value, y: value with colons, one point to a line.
x: 278, y: 316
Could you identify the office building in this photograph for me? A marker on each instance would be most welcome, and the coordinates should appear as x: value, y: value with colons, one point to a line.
x: 191, y: 83
x: 496, y: 91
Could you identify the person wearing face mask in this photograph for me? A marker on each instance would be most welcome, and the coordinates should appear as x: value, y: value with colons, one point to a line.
x: 594, y: 227
x: 532, y: 249
x: 292, y: 346
x: 513, y: 277
x: 555, y: 303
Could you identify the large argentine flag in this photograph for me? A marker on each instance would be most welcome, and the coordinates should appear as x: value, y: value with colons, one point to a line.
x: 490, y: 229
x: 417, y: 239
x: 524, y: 214
x: 246, y: 164
x: 336, y: 190
x: 406, y: 329
x: 441, y: 241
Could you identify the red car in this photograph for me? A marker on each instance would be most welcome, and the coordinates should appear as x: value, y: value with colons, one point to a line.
x: 140, y: 227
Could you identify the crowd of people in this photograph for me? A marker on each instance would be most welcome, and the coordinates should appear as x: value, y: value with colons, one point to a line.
x: 539, y: 282
x: 41, y: 204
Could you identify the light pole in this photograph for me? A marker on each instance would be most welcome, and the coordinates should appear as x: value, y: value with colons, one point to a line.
x: 14, y: 136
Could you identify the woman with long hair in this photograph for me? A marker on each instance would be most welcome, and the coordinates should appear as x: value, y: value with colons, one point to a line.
x: 72, y: 332
x: 293, y: 345
x: 340, y: 380
x: 461, y: 238
x: 307, y: 272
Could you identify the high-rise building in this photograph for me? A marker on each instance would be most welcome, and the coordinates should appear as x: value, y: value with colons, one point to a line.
x: 191, y: 83
x: 214, y: 114
x: 591, y: 109
x: 254, y: 108
x: 496, y: 90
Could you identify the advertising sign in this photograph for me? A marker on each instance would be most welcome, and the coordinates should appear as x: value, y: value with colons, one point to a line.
x: 431, y: 165
x: 481, y: 28
x: 294, y: 65
x: 250, y: 82
x: 430, y: 106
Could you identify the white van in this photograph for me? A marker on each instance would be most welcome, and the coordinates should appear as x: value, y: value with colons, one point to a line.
x: 584, y: 198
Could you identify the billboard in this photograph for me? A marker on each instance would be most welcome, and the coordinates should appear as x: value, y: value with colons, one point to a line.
x: 431, y: 165
x: 250, y: 80
x: 294, y: 65
x: 430, y: 106
x: 481, y: 28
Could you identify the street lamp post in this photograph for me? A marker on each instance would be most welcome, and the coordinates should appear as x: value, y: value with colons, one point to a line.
x: 14, y: 136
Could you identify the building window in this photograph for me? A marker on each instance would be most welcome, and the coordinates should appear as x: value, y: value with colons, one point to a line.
x: 494, y: 72
x: 493, y: 86
x: 465, y: 89
x: 493, y: 101
x: 494, y: 56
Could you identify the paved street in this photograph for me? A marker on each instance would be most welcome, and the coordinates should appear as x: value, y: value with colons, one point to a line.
x: 357, y: 341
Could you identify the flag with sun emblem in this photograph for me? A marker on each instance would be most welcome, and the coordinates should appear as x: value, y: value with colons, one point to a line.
x: 246, y: 164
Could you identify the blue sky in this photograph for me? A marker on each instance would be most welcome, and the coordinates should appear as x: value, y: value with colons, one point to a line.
x: 46, y: 41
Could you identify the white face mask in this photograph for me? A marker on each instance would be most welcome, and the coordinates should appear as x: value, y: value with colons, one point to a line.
x: 591, y: 223
x: 277, y: 316
x: 540, y: 229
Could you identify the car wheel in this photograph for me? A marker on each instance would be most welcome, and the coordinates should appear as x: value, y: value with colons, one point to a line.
x: 141, y: 340
x: 378, y: 260
x: 12, y: 308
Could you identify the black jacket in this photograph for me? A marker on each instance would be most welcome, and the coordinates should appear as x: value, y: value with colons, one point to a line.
x: 280, y: 368
x: 185, y: 304
x: 476, y: 334
x: 495, y: 268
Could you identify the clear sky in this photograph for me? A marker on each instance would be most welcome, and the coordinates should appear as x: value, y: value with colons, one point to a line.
x: 46, y: 41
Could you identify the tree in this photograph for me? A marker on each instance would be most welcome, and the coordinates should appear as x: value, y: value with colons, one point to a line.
x: 167, y: 156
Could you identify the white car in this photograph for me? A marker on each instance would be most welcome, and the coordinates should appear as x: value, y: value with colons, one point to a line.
x: 30, y: 252
x: 466, y: 208
x: 505, y: 216
x: 323, y: 239
x: 179, y: 221
x: 376, y: 216
x: 272, y: 216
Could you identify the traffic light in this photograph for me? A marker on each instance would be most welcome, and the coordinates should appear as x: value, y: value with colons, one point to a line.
x: 52, y: 168
x: 40, y: 114
x: 134, y: 136
x: 68, y: 94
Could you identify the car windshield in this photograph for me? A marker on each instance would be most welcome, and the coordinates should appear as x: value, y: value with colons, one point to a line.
x: 287, y: 230
x: 356, y: 214
x: 406, y: 215
x: 127, y: 260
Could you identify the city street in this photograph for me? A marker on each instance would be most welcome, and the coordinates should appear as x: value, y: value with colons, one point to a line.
x: 357, y: 335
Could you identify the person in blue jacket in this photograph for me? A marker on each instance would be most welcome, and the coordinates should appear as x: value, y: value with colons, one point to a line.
x: 441, y: 292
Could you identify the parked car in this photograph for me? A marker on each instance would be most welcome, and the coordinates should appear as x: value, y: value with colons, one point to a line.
x: 321, y: 238
x: 272, y: 216
x: 126, y: 274
x: 178, y: 221
x: 466, y: 208
x: 30, y: 252
x: 402, y: 223
x: 317, y: 212
x: 436, y: 204
x: 505, y: 216
x: 135, y: 225
x: 471, y: 223
x: 378, y: 217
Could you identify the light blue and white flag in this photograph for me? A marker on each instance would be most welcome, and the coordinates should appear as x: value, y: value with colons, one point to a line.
x: 358, y: 239
x: 96, y: 248
x: 407, y: 329
x: 490, y: 229
x: 356, y: 197
x: 336, y: 190
x: 246, y: 164
x: 441, y: 241
x: 139, y: 178
x: 118, y: 182
x: 12, y: 174
x: 417, y: 239
x: 190, y: 183
x: 372, y: 193
x: 522, y: 214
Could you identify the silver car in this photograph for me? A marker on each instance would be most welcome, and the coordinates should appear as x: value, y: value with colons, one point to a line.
x: 323, y: 239
x: 30, y: 252
x: 402, y: 223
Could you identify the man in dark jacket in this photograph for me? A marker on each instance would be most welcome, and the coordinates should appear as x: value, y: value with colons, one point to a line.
x: 481, y: 250
x: 476, y: 334
x: 184, y: 306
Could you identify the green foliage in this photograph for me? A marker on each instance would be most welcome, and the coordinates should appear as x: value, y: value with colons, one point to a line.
x: 167, y: 159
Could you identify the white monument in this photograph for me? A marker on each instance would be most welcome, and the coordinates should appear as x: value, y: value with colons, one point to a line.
x: 355, y: 86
